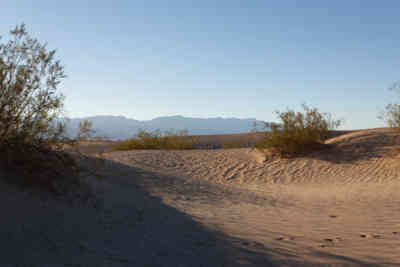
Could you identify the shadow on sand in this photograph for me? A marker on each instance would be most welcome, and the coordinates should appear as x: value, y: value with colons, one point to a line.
x: 132, y: 227
x: 177, y: 239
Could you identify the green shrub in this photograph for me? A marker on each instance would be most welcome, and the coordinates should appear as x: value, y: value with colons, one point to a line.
x: 30, y: 105
x: 298, y: 132
x: 29, y: 100
x: 157, y: 140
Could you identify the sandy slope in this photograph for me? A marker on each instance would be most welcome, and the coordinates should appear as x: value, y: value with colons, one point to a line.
x: 337, y: 207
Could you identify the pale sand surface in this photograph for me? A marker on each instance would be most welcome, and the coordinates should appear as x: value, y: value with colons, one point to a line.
x: 337, y: 207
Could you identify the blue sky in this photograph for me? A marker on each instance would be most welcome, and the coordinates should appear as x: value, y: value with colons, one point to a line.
x: 144, y: 59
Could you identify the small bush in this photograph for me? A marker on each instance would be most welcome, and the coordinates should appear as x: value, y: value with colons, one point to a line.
x: 157, y: 140
x: 298, y: 132
x: 391, y: 116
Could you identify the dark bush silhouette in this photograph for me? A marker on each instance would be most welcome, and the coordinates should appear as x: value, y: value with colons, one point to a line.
x: 298, y: 132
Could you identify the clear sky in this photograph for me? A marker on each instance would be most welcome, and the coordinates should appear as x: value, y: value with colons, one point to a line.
x: 219, y: 58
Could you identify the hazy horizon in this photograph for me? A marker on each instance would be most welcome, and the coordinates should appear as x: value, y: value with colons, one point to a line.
x: 120, y: 127
x: 168, y: 116
x: 145, y: 60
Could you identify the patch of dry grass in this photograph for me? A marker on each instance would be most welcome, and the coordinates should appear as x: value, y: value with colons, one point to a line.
x: 156, y: 140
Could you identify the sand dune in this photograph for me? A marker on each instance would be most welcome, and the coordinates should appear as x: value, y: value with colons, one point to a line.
x: 232, y: 207
x: 353, y: 158
x: 335, y: 206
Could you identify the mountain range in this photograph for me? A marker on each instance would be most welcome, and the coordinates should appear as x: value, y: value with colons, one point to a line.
x: 120, y: 127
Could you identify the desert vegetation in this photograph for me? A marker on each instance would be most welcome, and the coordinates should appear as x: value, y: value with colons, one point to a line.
x: 181, y: 140
x: 227, y: 141
x: 30, y: 105
x: 158, y: 140
x: 29, y: 100
x: 298, y: 132
x: 391, y: 113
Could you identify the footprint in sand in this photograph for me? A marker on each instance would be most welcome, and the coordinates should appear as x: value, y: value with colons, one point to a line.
x: 369, y: 236
x: 330, y: 241
x: 282, y: 238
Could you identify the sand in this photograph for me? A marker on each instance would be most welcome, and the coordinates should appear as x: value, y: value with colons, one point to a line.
x: 226, y: 207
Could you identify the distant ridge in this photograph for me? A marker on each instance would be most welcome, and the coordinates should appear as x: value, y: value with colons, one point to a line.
x: 120, y: 127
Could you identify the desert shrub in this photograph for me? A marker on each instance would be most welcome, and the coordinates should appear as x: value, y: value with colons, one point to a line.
x: 158, y: 140
x: 178, y: 140
x: 30, y: 105
x: 85, y: 131
x: 29, y: 100
x: 298, y: 132
x: 391, y: 116
x: 391, y: 113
